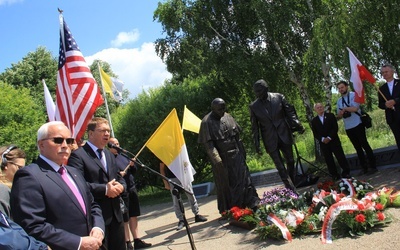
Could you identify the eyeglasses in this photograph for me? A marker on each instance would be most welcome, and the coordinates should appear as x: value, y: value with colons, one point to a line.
x: 15, y: 164
x: 60, y: 140
x: 103, y: 131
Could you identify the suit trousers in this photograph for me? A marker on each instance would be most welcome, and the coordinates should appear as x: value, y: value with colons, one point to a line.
x: 114, y: 236
x: 287, y: 152
x: 335, y: 148
x: 359, y: 140
x: 395, y: 127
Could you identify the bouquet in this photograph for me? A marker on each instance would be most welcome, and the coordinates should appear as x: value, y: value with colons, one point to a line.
x: 242, y: 217
x: 237, y: 213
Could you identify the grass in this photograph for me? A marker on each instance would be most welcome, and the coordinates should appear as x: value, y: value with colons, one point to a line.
x: 151, y: 196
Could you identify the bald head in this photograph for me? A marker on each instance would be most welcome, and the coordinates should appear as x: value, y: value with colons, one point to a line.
x: 115, y: 142
x: 218, y: 107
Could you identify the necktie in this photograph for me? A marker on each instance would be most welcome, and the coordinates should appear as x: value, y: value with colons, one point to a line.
x: 102, y: 159
x: 74, y: 189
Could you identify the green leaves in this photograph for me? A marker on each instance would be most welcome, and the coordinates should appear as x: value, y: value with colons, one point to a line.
x: 20, y: 118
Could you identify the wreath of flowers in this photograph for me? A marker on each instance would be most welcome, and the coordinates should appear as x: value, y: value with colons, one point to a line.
x: 348, y: 208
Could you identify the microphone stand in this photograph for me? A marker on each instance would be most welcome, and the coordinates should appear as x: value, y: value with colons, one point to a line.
x: 176, y: 190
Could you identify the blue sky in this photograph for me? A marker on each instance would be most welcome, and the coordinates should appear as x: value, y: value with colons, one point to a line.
x: 120, y: 32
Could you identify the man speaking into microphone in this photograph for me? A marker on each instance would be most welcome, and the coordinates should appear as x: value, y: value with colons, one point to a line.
x: 98, y: 166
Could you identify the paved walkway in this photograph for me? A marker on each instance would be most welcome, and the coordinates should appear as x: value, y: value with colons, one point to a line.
x: 157, y: 225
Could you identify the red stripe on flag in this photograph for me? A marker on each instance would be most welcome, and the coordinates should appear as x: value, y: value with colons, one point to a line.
x: 78, y: 94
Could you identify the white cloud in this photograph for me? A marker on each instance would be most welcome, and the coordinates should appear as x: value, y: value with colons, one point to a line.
x: 139, y: 68
x: 125, y: 38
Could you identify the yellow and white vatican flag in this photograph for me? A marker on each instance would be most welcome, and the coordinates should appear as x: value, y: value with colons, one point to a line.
x: 190, y: 121
x: 168, y: 144
x: 111, y: 85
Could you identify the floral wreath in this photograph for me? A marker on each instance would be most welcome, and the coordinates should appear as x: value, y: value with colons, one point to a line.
x: 350, y: 207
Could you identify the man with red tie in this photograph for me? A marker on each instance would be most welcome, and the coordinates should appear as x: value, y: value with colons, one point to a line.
x: 98, y: 166
x: 51, y: 200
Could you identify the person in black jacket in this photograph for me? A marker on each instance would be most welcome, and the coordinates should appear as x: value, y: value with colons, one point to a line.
x: 391, y: 91
x: 325, y: 129
x: 97, y: 164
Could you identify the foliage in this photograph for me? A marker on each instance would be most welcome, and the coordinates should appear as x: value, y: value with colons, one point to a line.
x: 29, y: 72
x: 215, y: 36
x: 20, y: 118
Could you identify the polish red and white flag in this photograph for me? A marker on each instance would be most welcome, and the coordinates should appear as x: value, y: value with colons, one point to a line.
x: 359, y: 74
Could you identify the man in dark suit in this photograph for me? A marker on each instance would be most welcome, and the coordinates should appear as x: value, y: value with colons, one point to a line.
x: 325, y: 129
x: 276, y: 120
x: 97, y: 165
x: 391, y: 91
x: 52, y: 201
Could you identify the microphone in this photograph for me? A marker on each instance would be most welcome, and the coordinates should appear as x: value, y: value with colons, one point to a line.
x: 119, y: 149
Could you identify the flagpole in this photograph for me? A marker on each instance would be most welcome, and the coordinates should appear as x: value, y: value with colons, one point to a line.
x: 105, y: 100
x: 183, y: 117
x: 380, y: 92
x: 61, y: 18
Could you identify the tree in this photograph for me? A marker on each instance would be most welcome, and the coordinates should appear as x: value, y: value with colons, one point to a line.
x: 20, y: 118
x: 238, y: 42
x: 30, y: 71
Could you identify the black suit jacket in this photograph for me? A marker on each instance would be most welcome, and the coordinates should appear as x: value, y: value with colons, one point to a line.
x: 87, y: 162
x: 271, y: 118
x: 391, y: 115
x: 44, y: 205
x: 328, y: 129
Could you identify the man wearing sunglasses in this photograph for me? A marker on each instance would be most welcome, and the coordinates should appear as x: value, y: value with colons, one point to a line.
x: 52, y: 201
x: 97, y: 164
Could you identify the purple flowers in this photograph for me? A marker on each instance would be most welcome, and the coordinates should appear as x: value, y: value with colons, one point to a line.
x: 278, y: 195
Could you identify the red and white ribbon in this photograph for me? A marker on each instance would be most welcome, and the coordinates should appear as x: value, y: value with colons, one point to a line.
x: 330, y: 217
x: 352, y: 190
x: 277, y: 222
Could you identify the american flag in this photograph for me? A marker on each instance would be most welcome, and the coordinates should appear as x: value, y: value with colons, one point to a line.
x: 78, y: 94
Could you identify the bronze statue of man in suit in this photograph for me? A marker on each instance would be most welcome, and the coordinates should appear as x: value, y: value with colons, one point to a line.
x: 275, y: 120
